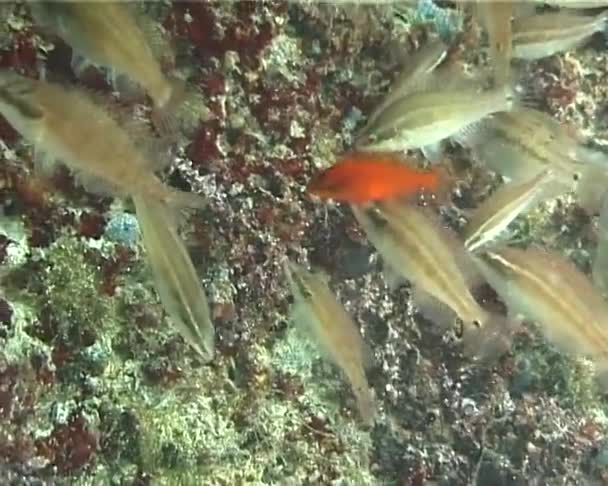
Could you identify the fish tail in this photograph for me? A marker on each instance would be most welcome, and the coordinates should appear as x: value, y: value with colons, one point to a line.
x: 182, y: 111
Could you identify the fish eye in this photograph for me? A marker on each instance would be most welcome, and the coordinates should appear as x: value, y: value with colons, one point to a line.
x: 477, y: 323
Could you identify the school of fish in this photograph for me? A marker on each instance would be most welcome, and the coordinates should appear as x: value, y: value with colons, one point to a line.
x: 401, y: 154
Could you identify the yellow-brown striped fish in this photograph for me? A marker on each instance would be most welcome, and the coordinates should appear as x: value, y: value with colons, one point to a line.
x: 317, y: 311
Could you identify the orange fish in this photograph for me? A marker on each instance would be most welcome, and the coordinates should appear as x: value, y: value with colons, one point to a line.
x: 360, y: 179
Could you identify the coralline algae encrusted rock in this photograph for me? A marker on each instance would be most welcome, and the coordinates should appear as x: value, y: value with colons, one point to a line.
x: 98, y: 389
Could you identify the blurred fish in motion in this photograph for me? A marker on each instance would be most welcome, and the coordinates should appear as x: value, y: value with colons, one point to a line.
x: 522, y: 143
x: 65, y: 124
x: 111, y: 35
x: 419, y: 249
x: 502, y: 207
x: 547, y: 288
x: 423, y: 118
x: 179, y: 288
x: 545, y: 34
x: 317, y: 311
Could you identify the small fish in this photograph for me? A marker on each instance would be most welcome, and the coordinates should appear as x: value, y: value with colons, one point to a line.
x: 419, y: 249
x: 176, y: 282
x: 425, y: 118
x: 362, y: 178
x: 501, y: 208
x: 545, y: 287
x: 109, y: 35
x: 317, y: 311
x: 495, y: 16
x: 546, y: 34
x: 522, y: 143
x: 65, y: 124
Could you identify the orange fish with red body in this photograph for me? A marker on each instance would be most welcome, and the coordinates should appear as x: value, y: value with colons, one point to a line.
x: 360, y: 179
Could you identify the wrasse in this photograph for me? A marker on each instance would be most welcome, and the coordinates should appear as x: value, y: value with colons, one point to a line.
x: 546, y: 34
x: 547, y: 288
x: 425, y: 117
x: 502, y: 207
x: 317, y: 311
x: 65, y: 124
x: 361, y: 179
x: 419, y: 249
x: 109, y: 35
x: 179, y: 288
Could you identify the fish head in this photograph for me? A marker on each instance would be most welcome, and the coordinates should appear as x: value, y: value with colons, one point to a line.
x: 332, y: 183
x: 299, y: 279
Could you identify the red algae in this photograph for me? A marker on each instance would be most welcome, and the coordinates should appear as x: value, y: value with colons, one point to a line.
x: 113, y: 267
x: 242, y: 33
x: 204, y: 145
x: 23, y: 54
x: 71, y: 446
x: 91, y: 225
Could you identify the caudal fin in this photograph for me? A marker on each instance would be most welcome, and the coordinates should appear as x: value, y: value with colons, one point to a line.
x: 182, y: 112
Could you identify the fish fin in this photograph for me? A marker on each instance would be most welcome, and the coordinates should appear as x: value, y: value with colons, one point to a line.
x: 176, y: 281
x: 184, y: 111
x: 433, y: 152
x: 491, y: 340
x: 419, y: 66
x: 452, y: 77
x: 156, y: 37
x: 179, y: 199
x: 96, y: 185
x: 433, y: 310
x: 44, y: 163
